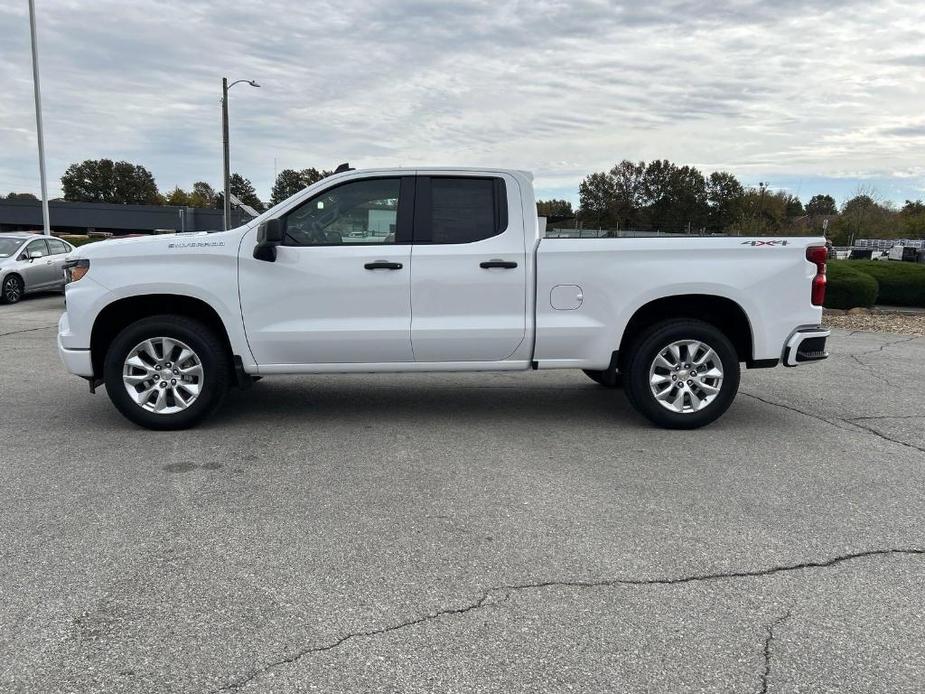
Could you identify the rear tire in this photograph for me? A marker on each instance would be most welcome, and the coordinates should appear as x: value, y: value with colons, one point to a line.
x: 608, y: 378
x: 167, y: 372
x: 662, y: 378
x: 12, y: 289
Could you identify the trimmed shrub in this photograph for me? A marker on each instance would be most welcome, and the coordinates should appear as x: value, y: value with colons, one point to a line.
x: 77, y: 240
x: 848, y: 287
x: 901, y: 284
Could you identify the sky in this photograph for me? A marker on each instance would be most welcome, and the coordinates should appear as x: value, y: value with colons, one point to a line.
x: 808, y: 96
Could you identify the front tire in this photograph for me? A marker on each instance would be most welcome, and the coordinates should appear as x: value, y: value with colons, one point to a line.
x: 12, y: 289
x: 166, y: 372
x: 682, y: 374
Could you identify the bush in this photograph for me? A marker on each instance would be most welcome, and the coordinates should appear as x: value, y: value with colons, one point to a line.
x: 77, y: 240
x: 848, y: 287
x: 901, y: 283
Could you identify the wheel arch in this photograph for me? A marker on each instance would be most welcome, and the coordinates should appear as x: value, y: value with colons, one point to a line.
x: 115, y: 316
x: 724, y: 313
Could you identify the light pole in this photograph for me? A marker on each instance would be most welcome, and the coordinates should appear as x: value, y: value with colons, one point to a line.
x: 38, y: 117
x: 226, y: 198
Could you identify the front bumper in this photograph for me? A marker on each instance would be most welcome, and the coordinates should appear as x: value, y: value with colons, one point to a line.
x: 806, y: 345
x: 77, y: 361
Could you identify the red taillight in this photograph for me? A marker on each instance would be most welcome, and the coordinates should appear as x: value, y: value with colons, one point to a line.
x: 818, y: 255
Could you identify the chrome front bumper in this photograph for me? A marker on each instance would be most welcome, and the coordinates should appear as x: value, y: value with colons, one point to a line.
x: 806, y: 345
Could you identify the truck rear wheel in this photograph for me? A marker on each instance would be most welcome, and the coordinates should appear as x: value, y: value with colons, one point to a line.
x: 682, y: 374
x: 166, y: 372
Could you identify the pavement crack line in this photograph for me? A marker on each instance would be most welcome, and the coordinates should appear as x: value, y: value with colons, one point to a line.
x: 851, y: 422
x: 28, y: 330
x: 768, y: 640
x: 485, y: 600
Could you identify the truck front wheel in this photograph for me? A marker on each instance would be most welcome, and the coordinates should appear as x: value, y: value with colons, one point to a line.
x: 166, y: 372
x: 682, y: 374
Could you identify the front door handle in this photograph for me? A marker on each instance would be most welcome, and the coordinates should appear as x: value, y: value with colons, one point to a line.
x: 382, y: 265
x: 494, y: 262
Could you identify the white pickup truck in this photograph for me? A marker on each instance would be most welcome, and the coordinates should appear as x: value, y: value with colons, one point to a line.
x: 437, y: 269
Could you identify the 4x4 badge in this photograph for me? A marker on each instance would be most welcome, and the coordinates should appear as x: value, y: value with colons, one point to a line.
x: 773, y: 242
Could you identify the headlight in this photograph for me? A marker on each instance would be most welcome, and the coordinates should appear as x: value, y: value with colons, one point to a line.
x: 75, y: 269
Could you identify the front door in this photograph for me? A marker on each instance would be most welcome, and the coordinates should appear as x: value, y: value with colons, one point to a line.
x: 339, y: 291
x: 37, y: 272
x: 469, y: 274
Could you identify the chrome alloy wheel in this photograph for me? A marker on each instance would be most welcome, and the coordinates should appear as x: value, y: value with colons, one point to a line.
x: 162, y: 375
x: 686, y: 376
x: 12, y: 290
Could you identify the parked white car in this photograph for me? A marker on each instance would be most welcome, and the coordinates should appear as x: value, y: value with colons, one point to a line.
x: 30, y: 263
x: 455, y: 278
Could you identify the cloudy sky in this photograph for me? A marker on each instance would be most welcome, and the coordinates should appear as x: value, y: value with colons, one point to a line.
x: 810, y: 96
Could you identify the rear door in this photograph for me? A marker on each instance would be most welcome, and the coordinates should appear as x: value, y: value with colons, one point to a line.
x: 468, y: 278
x: 58, y: 249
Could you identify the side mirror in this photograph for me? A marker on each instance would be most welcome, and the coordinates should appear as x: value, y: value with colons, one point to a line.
x: 269, y: 236
x: 35, y: 254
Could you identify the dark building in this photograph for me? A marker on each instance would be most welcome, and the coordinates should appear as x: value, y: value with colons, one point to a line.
x: 81, y: 217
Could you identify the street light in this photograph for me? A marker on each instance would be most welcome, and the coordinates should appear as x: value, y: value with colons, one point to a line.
x: 37, y: 90
x: 226, y: 198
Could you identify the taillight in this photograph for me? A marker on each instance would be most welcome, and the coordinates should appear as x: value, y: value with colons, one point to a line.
x: 818, y: 255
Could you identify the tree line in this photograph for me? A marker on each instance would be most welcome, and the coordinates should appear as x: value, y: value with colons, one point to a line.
x: 655, y: 196
x: 663, y: 196
x: 124, y: 183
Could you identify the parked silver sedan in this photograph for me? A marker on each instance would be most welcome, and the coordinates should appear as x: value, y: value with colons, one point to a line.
x: 30, y: 263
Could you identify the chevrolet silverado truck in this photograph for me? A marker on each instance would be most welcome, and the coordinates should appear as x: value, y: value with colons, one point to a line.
x: 442, y: 269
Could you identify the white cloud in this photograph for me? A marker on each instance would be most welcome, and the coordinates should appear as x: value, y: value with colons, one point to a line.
x: 789, y: 89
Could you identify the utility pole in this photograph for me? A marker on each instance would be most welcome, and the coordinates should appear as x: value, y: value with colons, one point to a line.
x: 38, y: 117
x: 226, y: 200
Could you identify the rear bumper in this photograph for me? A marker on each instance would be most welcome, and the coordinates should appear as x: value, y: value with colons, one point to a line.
x: 805, y: 345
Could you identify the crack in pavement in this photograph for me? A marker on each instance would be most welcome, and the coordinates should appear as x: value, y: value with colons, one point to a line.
x: 885, y: 345
x: 851, y: 422
x: 768, y: 639
x: 28, y: 330
x: 484, y: 601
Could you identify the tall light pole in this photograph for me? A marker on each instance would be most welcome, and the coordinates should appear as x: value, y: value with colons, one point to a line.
x: 38, y: 117
x: 226, y: 199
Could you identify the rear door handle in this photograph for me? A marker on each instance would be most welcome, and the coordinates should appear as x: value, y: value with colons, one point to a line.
x: 506, y: 264
x: 382, y: 265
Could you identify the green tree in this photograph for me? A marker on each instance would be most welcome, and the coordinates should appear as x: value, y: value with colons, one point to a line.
x: 724, y: 198
x: 794, y: 207
x: 554, y: 208
x: 627, y: 200
x: 289, y: 182
x: 864, y: 217
x: 103, y: 180
x: 243, y: 190
x: 821, y: 206
x: 178, y: 198
x: 595, y: 196
x: 21, y: 196
x: 202, y: 195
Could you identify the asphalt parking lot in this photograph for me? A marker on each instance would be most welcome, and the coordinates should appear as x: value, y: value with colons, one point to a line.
x: 464, y: 533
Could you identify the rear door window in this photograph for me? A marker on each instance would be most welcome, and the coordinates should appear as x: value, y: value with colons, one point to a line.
x: 57, y: 247
x: 459, y: 209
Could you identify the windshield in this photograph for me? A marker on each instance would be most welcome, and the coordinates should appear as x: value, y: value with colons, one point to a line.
x: 8, y: 247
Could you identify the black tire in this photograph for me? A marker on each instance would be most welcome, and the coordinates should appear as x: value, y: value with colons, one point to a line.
x: 12, y: 289
x: 650, y: 344
x: 608, y: 378
x: 207, y: 346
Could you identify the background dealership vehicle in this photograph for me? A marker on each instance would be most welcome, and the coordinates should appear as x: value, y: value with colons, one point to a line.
x: 30, y: 263
x: 434, y: 270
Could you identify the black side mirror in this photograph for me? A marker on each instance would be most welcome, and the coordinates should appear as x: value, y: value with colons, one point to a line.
x: 269, y: 236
